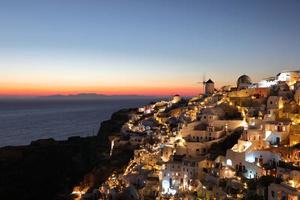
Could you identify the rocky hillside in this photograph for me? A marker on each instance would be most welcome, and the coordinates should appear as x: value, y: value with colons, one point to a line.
x: 49, y: 169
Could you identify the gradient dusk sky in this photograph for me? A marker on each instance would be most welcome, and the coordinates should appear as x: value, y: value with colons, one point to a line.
x: 142, y: 47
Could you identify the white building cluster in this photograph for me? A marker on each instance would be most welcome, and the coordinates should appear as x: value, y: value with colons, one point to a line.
x: 216, y: 145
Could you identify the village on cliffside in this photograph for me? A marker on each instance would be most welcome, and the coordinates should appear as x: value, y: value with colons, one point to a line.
x: 238, y: 142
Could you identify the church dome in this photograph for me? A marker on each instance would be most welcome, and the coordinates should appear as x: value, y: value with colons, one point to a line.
x: 243, y: 80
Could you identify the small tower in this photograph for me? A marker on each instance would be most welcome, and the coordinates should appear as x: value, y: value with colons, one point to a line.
x: 209, y: 87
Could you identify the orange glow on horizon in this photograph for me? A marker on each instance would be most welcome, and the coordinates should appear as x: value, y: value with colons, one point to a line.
x: 25, y: 90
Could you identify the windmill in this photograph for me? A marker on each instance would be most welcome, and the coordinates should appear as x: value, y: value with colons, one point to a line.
x: 203, y: 83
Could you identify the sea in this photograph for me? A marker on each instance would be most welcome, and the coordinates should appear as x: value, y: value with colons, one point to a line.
x: 26, y: 120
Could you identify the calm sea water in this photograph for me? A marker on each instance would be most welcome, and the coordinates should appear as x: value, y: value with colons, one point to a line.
x: 22, y: 121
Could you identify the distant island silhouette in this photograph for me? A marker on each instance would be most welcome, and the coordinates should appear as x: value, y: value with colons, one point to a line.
x: 81, y: 96
x: 93, y: 96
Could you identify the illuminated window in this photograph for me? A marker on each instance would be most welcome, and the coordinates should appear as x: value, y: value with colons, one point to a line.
x: 229, y: 162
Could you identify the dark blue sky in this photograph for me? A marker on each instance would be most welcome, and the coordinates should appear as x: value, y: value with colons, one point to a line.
x: 149, y: 41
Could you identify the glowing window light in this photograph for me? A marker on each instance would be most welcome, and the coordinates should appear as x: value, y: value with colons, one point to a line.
x: 250, y: 158
x: 268, y: 133
x: 165, y: 186
x: 229, y: 162
x: 244, y: 124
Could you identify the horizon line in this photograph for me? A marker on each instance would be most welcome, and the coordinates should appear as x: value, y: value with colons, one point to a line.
x: 95, y: 95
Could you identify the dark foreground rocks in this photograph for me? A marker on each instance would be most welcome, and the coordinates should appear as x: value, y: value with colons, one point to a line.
x: 49, y: 169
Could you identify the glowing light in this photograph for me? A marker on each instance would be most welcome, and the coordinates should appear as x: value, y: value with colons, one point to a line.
x: 267, y: 134
x: 229, y: 162
x: 292, y: 183
x: 267, y: 84
x: 250, y: 158
x: 241, y: 146
x: 167, y: 189
x: 166, y: 185
x: 284, y: 76
x: 244, y: 124
x: 112, y: 147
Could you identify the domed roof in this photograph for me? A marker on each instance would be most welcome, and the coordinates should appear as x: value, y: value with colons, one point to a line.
x: 244, y: 79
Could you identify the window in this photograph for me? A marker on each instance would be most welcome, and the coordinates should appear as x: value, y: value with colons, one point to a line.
x: 229, y: 162
x: 273, y: 193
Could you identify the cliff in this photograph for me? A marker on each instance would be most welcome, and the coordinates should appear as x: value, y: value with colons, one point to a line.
x: 49, y: 169
x: 113, y: 125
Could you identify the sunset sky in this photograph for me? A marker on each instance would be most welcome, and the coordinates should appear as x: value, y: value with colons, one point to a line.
x: 142, y: 47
